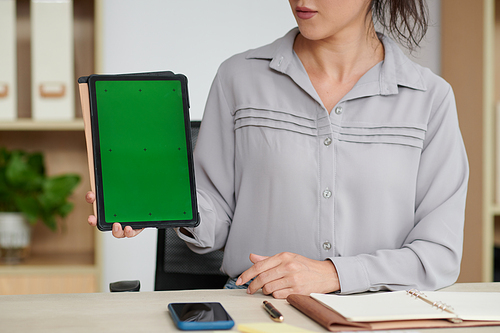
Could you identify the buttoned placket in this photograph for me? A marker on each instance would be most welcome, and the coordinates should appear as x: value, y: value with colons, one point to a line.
x: 380, y: 80
x: 327, y: 140
x: 326, y: 156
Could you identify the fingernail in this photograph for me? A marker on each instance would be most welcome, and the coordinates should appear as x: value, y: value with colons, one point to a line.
x: 238, y: 282
x: 248, y: 290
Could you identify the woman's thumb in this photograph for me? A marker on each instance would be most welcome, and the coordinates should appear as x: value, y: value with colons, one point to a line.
x: 256, y: 258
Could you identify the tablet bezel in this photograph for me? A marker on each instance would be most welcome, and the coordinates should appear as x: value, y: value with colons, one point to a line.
x: 100, y: 208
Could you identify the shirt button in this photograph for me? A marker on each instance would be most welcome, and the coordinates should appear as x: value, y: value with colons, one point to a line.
x: 327, y: 246
x: 328, y: 141
x: 327, y: 193
x: 338, y: 110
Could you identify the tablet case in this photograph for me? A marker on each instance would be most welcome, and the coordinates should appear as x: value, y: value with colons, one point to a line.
x: 139, y: 150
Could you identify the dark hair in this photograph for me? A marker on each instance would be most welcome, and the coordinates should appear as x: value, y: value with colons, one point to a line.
x: 404, y: 20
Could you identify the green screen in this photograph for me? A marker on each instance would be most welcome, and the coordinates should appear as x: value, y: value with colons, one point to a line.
x: 144, y: 156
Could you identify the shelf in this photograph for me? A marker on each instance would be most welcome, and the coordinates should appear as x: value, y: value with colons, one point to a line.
x: 31, y: 125
x: 52, y: 263
x: 50, y: 274
x: 495, y: 209
x: 66, y: 261
x: 476, y: 92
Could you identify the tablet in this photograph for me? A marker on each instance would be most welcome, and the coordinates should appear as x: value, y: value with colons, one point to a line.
x: 139, y: 148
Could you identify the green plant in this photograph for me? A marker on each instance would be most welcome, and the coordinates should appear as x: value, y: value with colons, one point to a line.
x: 25, y: 188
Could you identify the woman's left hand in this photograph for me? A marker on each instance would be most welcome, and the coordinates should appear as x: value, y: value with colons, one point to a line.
x: 289, y: 273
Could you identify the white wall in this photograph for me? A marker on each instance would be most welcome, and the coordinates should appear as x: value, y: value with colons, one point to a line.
x: 193, y: 37
x: 429, y: 55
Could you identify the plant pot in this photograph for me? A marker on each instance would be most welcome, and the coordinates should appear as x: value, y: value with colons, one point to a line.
x: 15, y: 236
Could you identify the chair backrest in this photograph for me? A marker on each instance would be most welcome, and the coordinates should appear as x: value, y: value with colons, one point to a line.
x: 179, y: 268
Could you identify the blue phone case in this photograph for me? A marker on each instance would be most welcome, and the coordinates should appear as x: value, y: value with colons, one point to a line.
x: 200, y: 325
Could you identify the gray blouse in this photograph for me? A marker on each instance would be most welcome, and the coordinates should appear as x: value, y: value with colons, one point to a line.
x: 377, y: 186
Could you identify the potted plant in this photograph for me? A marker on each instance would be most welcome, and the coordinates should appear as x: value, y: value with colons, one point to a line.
x: 28, y: 195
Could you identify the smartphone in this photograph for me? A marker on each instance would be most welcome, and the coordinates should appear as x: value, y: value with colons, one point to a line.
x: 200, y: 316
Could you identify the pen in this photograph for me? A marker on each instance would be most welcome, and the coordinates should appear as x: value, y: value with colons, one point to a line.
x: 273, y: 312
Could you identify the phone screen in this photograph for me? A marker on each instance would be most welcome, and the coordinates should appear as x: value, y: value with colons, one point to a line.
x: 200, y: 316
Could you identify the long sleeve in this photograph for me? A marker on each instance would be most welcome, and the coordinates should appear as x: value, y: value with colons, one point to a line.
x: 214, y: 169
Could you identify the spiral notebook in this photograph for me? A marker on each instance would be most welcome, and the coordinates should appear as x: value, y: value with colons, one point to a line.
x: 400, y: 309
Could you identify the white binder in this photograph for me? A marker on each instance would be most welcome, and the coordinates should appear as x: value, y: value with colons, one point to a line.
x: 8, y: 63
x: 52, y: 60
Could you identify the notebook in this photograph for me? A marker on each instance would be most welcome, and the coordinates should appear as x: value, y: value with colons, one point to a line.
x: 400, y: 310
x: 412, y: 304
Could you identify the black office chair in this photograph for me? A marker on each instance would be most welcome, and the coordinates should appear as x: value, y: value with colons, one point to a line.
x: 177, y: 267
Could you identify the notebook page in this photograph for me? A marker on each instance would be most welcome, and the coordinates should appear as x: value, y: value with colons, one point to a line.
x: 382, y: 306
x: 470, y: 305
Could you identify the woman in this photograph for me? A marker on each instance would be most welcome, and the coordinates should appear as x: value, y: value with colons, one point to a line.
x: 330, y: 160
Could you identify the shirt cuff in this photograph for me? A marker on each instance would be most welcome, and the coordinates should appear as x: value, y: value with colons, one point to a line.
x: 203, y: 235
x: 353, y: 277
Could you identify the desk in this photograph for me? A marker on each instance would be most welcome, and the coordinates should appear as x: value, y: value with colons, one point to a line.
x: 147, y: 312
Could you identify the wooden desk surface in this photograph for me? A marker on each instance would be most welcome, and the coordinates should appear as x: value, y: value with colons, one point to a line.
x: 147, y: 311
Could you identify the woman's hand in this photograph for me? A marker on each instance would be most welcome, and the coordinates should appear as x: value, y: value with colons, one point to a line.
x: 289, y: 273
x: 117, y: 231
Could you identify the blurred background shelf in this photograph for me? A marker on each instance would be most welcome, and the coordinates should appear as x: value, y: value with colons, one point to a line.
x: 471, y: 64
x: 31, y: 125
x: 68, y: 260
x: 50, y: 261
